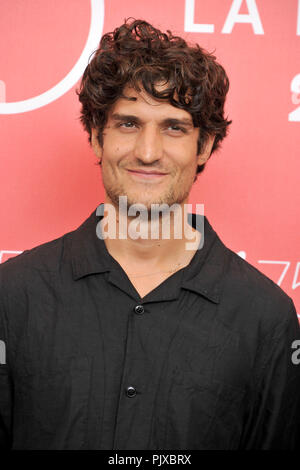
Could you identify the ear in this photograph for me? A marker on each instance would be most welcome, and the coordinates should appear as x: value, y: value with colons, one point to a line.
x: 205, y: 154
x: 95, y: 144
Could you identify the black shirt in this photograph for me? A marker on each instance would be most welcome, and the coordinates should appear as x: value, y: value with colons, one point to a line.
x: 203, y: 361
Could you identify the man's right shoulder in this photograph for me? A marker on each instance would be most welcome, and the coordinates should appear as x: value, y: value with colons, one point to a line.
x: 41, y: 256
x: 46, y: 257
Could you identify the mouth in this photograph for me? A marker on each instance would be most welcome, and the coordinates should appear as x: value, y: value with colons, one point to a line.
x: 140, y: 174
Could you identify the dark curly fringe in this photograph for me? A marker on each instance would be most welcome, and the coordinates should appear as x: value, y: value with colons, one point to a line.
x: 137, y: 54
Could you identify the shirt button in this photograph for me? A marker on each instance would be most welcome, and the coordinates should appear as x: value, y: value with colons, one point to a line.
x: 139, y: 309
x: 130, y: 392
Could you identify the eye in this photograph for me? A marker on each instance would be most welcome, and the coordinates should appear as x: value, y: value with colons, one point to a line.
x: 177, y: 129
x: 127, y: 125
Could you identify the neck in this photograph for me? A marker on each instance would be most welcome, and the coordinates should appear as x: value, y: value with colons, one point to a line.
x: 160, y: 241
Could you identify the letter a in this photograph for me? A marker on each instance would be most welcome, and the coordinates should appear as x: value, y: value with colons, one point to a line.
x: 234, y: 17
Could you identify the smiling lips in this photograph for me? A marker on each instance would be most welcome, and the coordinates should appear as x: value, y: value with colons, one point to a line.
x: 146, y: 174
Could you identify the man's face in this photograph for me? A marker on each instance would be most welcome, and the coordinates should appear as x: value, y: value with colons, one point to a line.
x: 146, y: 136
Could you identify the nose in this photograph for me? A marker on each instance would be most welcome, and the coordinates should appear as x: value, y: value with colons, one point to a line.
x: 148, y: 145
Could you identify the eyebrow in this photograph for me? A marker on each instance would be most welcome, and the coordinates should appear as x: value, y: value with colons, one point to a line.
x: 167, y: 121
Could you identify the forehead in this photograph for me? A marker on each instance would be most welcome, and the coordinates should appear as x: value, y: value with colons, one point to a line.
x: 141, y: 103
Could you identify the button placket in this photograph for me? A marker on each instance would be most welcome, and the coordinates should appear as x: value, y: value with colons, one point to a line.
x: 133, y: 379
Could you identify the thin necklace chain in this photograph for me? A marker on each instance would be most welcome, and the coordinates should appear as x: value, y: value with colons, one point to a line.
x: 158, y: 272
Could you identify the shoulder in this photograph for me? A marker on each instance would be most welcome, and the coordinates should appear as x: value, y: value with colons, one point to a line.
x: 45, y: 257
x: 252, y: 297
x: 48, y: 256
x: 30, y: 286
x: 32, y: 269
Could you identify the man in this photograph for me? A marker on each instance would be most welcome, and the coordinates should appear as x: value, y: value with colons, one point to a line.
x: 116, y: 339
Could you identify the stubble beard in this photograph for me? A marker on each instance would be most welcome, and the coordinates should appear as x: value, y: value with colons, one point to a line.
x: 173, y: 195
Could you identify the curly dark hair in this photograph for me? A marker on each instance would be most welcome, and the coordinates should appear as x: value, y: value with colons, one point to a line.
x: 137, y: 54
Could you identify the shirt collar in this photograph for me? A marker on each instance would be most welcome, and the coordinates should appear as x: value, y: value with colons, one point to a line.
x: 203, y: 275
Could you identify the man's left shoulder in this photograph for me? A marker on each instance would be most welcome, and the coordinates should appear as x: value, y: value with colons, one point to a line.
x: 253, y: 294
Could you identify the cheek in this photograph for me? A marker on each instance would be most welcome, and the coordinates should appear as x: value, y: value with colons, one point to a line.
x: 112, y: 154
x: 186, y: 162
x: 183, y: 152
x: 115, y: 150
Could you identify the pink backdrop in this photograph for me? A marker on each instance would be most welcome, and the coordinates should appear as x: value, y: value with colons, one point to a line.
x: 250, y: 188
